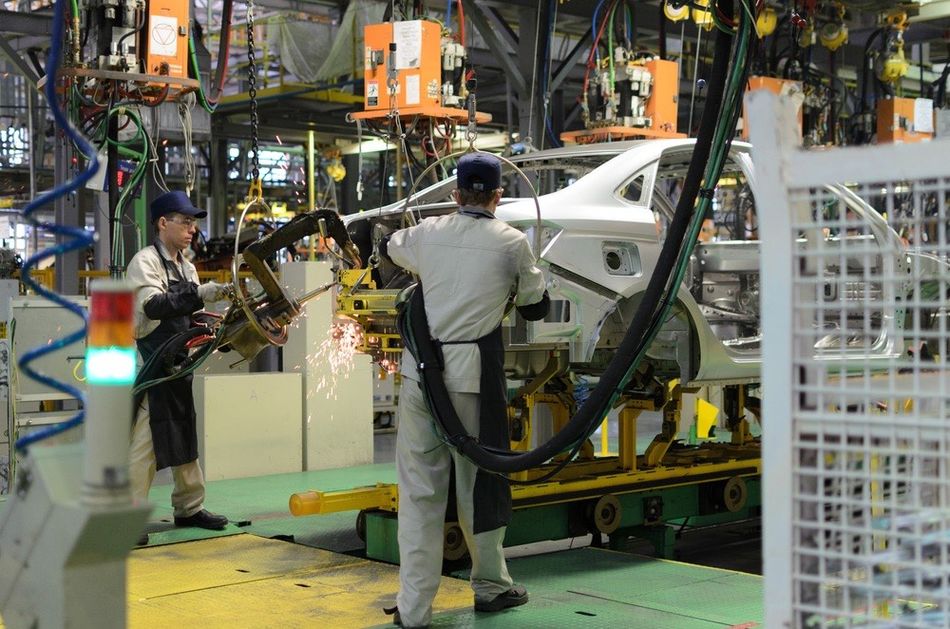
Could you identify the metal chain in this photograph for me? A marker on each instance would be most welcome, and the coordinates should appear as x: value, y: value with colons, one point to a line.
x: 471, y: 131
x: 252, y: 92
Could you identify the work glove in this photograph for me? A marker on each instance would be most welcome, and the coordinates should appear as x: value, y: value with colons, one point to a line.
x: 213, y: 291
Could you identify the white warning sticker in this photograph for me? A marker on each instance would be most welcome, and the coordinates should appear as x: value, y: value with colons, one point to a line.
x: 163, y: 36
x: 372, y: 94
x: 412, y: 89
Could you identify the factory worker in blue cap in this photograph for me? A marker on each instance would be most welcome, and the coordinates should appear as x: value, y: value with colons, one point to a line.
x: 469, y: 265
x: 167, y: 293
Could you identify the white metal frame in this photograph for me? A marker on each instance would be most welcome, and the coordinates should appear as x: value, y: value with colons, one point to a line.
x: 891, y: 590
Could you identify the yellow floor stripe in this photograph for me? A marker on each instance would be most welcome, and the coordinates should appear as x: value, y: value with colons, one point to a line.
x: 248, y: 581
x: 176, y: 568
x: 244, y: 582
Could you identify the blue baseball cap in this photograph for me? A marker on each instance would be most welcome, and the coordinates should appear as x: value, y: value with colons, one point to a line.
x: 479, y: 172
x: 174, y: 201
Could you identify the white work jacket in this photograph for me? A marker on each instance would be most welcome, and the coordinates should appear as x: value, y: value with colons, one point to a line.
x: 468, y: 266
x: 149, y: 278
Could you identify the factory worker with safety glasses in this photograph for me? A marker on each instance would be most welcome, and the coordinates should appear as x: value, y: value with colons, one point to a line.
x: 167, y: 293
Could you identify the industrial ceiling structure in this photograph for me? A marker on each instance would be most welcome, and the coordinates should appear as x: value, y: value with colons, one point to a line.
x: 690, y: 258
x: 532, y: 71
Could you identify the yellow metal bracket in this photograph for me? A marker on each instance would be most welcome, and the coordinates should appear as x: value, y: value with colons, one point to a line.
x: 671, y: 425
x: 255, y: 192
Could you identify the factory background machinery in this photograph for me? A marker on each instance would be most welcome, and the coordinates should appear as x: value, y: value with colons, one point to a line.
x: 650, y: 189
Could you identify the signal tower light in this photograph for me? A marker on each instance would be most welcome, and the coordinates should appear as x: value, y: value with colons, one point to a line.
x: 110, y: 349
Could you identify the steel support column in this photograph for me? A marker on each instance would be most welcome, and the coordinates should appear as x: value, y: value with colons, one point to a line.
x: 572, y: 115
x: 478, y: 19
x: 557, y: 120
x: 570, y: 62
x: 66, y: 212
x: 504, y: 30
x: 18, y: 62
x: 27, y: 23
x: 218, y: 189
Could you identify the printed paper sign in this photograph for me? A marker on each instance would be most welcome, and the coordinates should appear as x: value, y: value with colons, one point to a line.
x: 408, y: 39
x: 923, y: 115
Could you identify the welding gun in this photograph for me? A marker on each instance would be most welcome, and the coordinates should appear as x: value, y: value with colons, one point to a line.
x: 252, y: 324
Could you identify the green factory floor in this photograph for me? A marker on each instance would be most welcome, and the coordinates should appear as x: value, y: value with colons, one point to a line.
x: 268, y: 569
x: 577, y: 587
x: 249, y: 581
x: 259, y: 505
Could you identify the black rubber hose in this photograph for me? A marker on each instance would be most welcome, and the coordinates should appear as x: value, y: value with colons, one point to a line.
x: 223, y: 51
x: 626, y: 353
x: 940, y: 87
x: 154, y: 366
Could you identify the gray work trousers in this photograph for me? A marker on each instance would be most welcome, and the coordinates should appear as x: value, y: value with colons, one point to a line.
x: 423, y: 465
x: 188, y: 494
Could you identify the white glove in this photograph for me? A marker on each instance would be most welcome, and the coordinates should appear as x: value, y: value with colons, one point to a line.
x: 213, y: 291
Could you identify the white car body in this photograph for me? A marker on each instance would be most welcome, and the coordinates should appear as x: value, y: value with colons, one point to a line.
x: 598, y: 250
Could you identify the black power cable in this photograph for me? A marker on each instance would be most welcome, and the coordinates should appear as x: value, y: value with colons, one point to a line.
x: 940, y: 87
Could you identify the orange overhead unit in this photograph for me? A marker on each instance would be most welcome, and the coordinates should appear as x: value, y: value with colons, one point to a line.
x: 663, y: 105
x: 640, y: 99
x: 166, y: 38
x: 403, y: 56
x: 783, y: 87
x: 406, y: 67
x: 904, y: 120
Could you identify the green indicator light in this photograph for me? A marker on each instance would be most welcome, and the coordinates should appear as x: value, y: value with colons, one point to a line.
x: 110, y: 365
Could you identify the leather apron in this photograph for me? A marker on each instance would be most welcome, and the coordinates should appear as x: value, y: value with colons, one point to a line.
x: 171, y: 405
x: 492, y: 493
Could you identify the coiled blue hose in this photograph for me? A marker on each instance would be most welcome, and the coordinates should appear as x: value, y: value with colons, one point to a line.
x: 77, y: 238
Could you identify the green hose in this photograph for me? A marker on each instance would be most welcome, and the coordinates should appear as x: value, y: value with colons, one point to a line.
x: 141, y: 157
x: 714, y: 167
x: 202, y: 99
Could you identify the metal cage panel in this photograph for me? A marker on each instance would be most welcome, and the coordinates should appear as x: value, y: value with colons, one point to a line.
x: 855, y: 374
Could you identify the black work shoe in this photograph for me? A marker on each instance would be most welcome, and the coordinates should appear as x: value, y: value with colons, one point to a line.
x: 394, y: 612
x: 204, y: 519
x: 516, y: 595
x: 142, y: 540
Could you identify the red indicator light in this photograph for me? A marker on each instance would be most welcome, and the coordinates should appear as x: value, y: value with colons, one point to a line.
x: 110, y: 321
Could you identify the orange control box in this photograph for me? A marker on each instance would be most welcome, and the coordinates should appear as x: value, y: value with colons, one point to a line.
x: 897, y: 121
x: 662, y: 106
x: 783, y: 87
x: 166, y: 44
x: 413, y: 50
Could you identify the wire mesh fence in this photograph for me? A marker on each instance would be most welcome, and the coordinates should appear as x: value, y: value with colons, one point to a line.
x: 862, y: 448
